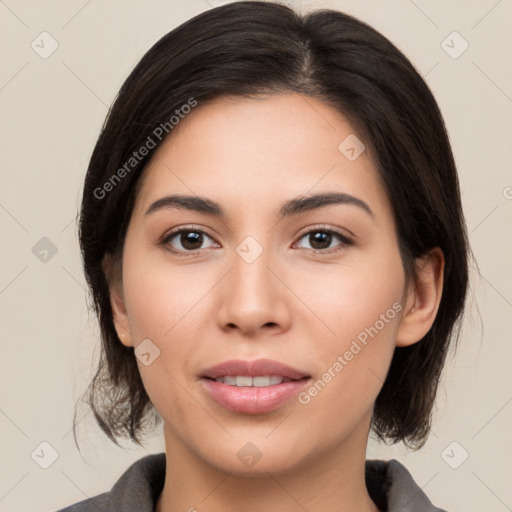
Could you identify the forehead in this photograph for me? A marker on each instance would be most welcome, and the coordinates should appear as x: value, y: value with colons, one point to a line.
x: 247, y: 152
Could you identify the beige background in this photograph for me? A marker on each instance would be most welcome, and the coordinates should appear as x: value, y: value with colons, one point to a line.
x: 52, y: 111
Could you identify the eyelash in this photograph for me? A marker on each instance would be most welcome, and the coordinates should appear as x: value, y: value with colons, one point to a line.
x: 345, y: 241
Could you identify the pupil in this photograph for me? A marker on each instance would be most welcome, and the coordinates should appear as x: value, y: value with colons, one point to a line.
x: 321, y: 237
x: 188, y: 239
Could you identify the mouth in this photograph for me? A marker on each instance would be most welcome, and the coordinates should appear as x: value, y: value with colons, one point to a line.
x: 253, y: 387
x: 236, y: 372
x: 259, y: 381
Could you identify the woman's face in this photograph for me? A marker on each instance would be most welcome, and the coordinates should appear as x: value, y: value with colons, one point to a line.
x: 318, y: 288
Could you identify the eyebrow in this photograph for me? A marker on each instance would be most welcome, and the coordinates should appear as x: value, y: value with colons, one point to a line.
x: 292, y: 207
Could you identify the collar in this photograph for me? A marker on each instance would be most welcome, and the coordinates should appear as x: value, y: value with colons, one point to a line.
x: 389, y: 484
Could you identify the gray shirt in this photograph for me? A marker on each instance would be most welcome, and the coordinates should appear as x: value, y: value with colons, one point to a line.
x: 389, y: 484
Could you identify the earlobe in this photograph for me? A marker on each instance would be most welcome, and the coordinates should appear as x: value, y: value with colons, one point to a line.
x: 120, y: 318
x: 422, y: 299
x: 119, y: 314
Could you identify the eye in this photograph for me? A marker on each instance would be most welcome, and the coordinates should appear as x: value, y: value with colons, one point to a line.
x: 320, y: 239
x: 187, y: 240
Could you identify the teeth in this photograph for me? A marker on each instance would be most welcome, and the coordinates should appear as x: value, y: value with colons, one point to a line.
x: 245, y: 381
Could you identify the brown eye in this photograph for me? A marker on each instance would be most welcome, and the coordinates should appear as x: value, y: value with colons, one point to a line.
x: 321, y: 239
x: 191, y: 240
x: 187, y: 240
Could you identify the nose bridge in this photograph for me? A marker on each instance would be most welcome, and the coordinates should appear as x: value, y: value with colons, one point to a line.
x: 251, y: 276
x: 253, y: 297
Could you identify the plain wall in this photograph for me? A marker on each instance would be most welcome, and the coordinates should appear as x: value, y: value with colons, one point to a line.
x: 52, y: 110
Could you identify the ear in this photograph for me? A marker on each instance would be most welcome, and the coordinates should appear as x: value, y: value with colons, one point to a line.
x: 113, y: 275
x: 423, y: 299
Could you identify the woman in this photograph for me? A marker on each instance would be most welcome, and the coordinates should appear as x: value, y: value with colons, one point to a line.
x: 271, y: 228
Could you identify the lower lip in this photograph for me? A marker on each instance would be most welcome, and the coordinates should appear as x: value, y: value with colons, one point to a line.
x: 252, y: 400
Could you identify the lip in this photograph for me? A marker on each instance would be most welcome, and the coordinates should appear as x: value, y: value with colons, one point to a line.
x: 253, y: 369
x: 253, y: 400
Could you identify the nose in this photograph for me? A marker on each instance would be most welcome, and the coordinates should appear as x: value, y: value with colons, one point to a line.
x: 254, y: 298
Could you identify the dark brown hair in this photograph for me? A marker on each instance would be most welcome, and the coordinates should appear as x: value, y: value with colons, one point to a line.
x: 252, y: 48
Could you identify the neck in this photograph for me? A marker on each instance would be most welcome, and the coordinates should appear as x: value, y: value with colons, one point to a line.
x: 331, y: 481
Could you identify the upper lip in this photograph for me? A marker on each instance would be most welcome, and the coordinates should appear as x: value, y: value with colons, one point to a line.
x: 253, y: 369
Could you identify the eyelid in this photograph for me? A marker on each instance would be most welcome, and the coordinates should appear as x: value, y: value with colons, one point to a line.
x: 324, y: 227
x: 187, y: 227
x: 345, y: 239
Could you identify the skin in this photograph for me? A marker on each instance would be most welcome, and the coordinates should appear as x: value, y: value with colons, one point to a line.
x: 292, y: 304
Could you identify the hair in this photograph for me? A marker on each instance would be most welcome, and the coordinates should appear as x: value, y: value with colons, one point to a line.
x: 253, y: 48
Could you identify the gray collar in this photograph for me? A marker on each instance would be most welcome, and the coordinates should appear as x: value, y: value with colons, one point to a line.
x: 389, y: 484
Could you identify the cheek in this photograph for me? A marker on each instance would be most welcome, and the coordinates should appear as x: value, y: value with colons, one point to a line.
x: 352, y: 367
x: 162, y: 303
x: 359, y: 308
x: 159, y: 298
x: 345, y: 298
